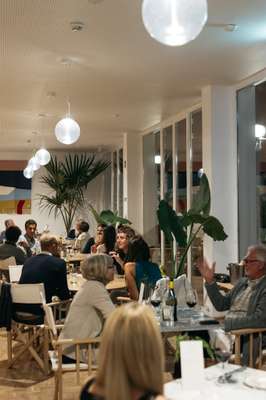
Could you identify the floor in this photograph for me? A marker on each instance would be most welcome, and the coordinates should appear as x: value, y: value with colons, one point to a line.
x: 25, y: 381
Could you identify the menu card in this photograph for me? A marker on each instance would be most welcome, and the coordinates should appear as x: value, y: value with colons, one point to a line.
x: 192, y: 364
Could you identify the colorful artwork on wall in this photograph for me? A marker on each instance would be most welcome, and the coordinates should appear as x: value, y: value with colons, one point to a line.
x: 15, y: 189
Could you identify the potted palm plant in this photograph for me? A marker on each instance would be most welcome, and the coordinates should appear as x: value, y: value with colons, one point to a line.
x: 68, y: 180
x: 183, y: 229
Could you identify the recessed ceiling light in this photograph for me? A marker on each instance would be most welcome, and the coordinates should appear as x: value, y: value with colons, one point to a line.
x: 231, y: 27
x: 51, y: 94
x: 76, y: 26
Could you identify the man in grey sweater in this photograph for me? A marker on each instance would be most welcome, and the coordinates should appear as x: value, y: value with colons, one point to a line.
x: 246, y: 302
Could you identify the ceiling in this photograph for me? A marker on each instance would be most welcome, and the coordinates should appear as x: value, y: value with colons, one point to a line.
x: 120, y: 79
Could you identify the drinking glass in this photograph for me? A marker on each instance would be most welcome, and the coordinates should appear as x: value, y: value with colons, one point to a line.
x: 223, y: 347
x: 191, y: 297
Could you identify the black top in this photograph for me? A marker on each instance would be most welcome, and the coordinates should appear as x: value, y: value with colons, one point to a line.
x: 85, y: 395
x: 10, y: 249
x: 49, y: 270
x: 87, y: 246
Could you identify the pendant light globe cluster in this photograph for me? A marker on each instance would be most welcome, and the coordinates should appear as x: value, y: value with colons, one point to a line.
x: 41, y: 158
x: 174, y: 22
x: 67, y: 130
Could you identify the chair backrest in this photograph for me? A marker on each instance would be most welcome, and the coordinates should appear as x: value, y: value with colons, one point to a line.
x: 27, y: 293
x: 15, y: 273
x: 141, y: 293
x: 4, y: 264
x: 49, y: 317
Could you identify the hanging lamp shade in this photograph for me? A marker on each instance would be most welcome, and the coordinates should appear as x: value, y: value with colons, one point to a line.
x: 174, y: 22
x: 34, y: 163
x: 67, y: 131
x: 43, y: 156
x: 28, y: 172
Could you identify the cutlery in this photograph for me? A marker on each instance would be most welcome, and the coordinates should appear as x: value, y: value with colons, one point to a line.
x: 228, y: 375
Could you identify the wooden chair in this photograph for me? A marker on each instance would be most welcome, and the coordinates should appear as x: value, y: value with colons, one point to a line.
x: 4, y: 264
x: 15, y: 272
x: 56, y: 354
x: 250, y: 333
x: 28, y: 329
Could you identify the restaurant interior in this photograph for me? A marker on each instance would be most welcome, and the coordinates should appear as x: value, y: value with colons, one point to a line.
x: 145, y: 122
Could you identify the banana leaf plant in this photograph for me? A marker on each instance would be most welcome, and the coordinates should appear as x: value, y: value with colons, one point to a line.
x: 183, y: 229
x: 108, y: 217
x: 68, y: 181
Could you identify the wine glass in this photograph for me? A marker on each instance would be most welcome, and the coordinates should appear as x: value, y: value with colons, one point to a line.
x: 223, y: 347
x: 191, y: 297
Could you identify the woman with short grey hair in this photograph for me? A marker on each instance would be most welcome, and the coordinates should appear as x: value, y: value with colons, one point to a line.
x: 91, y: 305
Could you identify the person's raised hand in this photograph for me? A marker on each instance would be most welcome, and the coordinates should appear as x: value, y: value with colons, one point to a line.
x: 206, y: 270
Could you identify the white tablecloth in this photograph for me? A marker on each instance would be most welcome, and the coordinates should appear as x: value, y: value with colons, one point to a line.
x: 211, y: 390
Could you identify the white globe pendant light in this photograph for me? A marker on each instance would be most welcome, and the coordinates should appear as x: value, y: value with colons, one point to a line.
x: 28, y: 172
x: 67, y: 131
x: 174, y: 22
x: 43, y: 156
x: 34, y: 164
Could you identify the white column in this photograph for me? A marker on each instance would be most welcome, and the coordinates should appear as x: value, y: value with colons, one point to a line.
x: 220, y: 165
x: 132, y: 177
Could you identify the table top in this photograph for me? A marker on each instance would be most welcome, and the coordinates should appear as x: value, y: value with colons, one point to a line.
x: 76, y: 257
x: 75, y: 282
x: 188, y: 320
x: 211, y: 390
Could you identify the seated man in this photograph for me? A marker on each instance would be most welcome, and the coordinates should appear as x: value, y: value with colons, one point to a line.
x: 28, y: 240
x: 246, y: 302
x: 83, y: 235
x: 8, y: 223
x: 46, y: 268
x: 10, y: 248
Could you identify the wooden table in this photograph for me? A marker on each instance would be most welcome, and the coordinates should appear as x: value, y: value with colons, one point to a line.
x: 75, y: 258
x: 75, y: 282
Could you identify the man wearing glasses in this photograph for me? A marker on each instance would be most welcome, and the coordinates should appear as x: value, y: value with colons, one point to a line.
x: 246, y: 302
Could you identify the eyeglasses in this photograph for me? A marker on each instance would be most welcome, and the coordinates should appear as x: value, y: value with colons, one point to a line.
x: 247, y: 261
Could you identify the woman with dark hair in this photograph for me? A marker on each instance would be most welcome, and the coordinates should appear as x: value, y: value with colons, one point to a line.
x: 109, y: 238
x: 139, y: 268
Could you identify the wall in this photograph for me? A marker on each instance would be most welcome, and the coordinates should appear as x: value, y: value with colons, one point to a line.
x: 98, y: 194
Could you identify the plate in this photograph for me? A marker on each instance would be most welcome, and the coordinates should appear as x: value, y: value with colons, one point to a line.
x: 256, y: 382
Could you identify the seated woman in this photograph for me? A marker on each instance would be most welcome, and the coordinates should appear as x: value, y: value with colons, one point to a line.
x: 139, y: 268
x: 98, y: 238
x: 108, y: 242
x: 91, y: 305
x: 131, y: 359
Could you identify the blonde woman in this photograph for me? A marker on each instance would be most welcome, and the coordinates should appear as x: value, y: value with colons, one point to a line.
x: 131, y: 358
x: 91, y: 305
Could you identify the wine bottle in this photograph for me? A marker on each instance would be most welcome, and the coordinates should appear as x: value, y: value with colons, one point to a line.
x: 169, y: 311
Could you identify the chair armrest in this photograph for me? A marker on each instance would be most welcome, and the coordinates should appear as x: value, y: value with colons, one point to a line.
x: 247, y: 331
x: 61, y: 342
x: 123, y: 299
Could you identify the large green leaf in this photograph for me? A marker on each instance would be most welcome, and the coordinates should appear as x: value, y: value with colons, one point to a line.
x: 170, y: 224
x: 190, y: 218
x: 213, y: 228
x: 202, y: 200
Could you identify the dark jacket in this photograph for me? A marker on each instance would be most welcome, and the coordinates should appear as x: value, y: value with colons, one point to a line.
x: 9, y: 249
x: 49, y: 270
x: 5, y: 306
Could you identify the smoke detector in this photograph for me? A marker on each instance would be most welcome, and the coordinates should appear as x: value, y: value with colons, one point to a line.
x: 76, y: 26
